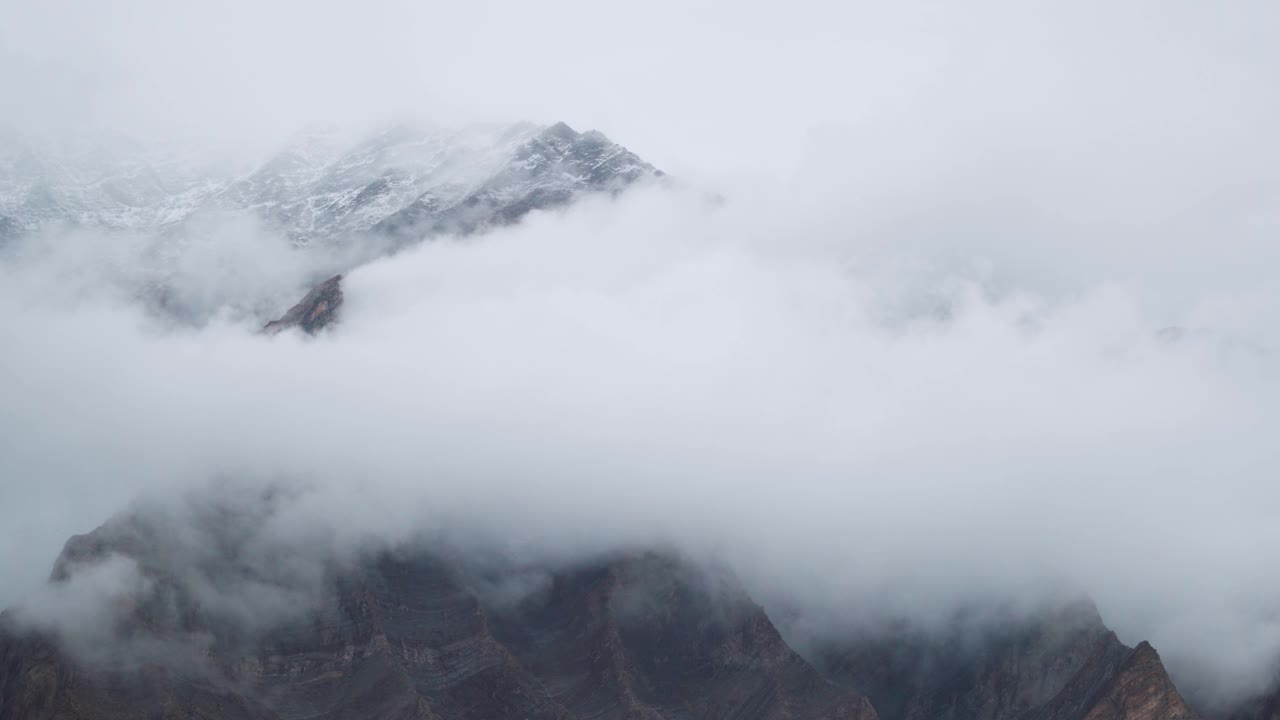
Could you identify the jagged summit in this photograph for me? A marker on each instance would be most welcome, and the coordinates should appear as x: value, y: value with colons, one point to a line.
x: 545, y: 170
x: 561, y: 130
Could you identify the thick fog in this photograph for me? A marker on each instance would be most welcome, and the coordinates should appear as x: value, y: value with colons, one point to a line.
x: 986, y: 314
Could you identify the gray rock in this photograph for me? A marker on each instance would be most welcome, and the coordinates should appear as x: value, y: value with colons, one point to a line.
x: 316, y: 311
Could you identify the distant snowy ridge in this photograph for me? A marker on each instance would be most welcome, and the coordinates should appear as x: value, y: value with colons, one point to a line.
x: 407, y: 181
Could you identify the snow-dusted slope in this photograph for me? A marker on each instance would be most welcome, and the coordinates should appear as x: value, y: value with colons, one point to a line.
x: 112, y: 185
x: 538, y: 170
x: 407, y: 180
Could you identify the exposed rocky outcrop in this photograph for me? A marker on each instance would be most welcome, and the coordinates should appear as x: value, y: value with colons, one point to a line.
x: 316, y: 311
x: 1118, y: 683
x: 1064, y: 665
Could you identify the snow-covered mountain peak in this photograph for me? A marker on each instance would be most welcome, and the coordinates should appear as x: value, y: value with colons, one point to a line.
x: 410, y: 179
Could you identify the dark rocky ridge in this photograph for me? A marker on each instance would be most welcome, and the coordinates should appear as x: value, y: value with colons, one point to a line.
x: 410, y: 633
x: 401, y: 634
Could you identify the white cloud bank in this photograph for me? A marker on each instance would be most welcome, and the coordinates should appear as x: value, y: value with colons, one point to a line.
x: 916, y: 359
x: 857, y: 429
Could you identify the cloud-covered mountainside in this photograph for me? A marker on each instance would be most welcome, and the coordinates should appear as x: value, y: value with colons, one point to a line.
x: 396, y: 633
x: 646, y: 456
x: 192, y: 234
x: 202, y: 611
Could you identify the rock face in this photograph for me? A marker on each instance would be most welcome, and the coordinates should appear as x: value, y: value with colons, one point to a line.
x: 316, y: 311
x: 1064, y: 665
x: 402, y: 635
x: 1118, y: 684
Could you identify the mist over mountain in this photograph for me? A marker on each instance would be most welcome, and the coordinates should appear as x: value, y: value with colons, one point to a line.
x: 908, y: 362
x: 174, y: 219
x: 204, y: 606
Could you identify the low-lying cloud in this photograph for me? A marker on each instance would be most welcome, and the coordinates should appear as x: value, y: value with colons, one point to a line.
x: 861, y: 430
x: 988, y: 314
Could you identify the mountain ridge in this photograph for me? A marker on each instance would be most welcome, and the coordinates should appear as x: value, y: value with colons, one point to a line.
x: 412, y: 632
x: 625, y: 636
x: 319, y: 189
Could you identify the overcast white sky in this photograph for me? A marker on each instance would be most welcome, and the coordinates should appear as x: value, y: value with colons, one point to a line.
x: 1067, y: 178
x: 693, y: 85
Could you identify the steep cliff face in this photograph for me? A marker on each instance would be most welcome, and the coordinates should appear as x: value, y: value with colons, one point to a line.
x: 1063, y: 665
x: 401, y: 634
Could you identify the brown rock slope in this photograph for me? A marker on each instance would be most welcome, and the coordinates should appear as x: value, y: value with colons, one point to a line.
x: 1064, y: 665
x: 402, y: 636
x: 1118, y: 684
